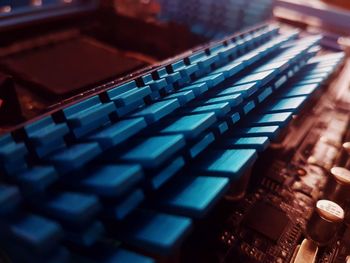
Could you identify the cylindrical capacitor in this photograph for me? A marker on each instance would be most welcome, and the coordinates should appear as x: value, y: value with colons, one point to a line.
x: 346, y: 147
x: 324, y: 222
x: 338, y: 186
x: 344, y: 159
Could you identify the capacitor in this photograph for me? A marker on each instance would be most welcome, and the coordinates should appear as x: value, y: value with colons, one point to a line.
x: 324, y: 222
x: 344, y: 159
x: 338, y: 186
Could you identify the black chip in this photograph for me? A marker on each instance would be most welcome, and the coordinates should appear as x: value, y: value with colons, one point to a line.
x: 268, y: 220
x: 67, y: 67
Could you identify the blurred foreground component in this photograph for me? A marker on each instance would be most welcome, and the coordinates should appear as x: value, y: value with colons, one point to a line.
x: 140, y: 9
x: 216, y: 18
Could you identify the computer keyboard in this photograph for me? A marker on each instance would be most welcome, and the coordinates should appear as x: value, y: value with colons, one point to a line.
x: 127, y: 174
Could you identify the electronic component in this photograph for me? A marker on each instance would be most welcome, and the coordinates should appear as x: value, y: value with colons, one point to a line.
x: 338, y: 185
x: 66, y: 68
x: 137, y: 138
x: 325, y: 222
x: 271, y: 223
x: 306, y: 252
x: 344, y: 159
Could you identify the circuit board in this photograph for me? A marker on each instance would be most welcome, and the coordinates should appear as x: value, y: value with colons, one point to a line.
x: 270, y: 222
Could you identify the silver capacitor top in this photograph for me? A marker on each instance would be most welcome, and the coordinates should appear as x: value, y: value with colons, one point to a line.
x: 330, y: 211
x: 346, y: 147
x: 341, y: 175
